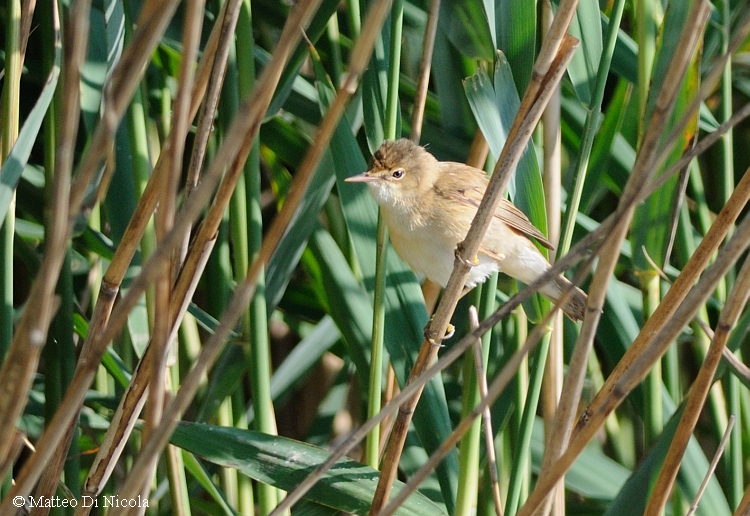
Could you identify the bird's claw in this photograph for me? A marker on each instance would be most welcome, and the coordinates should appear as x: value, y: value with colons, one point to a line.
x: 466, y: 261
x: 431, y: 337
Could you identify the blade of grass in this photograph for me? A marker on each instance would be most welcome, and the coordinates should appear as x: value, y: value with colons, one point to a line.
x: 392, y: 130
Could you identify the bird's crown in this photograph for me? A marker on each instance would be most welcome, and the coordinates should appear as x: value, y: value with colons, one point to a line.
x: 392, y: 154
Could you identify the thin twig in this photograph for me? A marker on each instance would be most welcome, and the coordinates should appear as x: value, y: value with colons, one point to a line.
x: 552, y: 181
x: 712, y: 466
x: 489, y: 435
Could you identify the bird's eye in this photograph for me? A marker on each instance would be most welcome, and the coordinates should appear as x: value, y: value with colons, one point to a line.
x: 398, y: 173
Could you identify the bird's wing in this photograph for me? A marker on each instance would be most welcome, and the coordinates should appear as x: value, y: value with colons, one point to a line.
x: 517, y: 219
x: 468, y: 187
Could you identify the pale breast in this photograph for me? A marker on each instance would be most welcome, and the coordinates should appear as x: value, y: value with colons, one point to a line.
x: 426, y: 250
x: 429, y: 248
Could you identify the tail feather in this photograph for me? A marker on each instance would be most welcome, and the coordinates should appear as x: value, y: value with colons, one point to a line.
x: 575, y: 303
x: 526, y: 264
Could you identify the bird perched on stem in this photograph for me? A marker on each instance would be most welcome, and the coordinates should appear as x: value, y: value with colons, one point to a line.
x: 428, y: 206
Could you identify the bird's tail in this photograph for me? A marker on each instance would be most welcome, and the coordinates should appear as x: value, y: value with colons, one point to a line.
x: 575, y: 304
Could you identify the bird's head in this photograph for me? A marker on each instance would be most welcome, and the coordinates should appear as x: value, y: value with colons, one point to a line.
x: 400, y: 171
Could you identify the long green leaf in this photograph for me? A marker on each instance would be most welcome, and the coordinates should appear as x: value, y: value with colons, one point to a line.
x: 284, y: 463
x: 464, y: 23
x: 585, y: 63
x: 516, y: 26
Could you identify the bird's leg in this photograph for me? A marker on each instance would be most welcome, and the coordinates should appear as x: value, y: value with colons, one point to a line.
x: 451, y: 330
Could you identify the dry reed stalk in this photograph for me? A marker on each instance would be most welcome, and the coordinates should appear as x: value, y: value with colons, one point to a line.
x: 489, y: 434
x: 675, y: 310
x: 17, y: 441
x: 152, y: 22
x: 161, y: 333
x: 206, y: 119
x: 27, y: 14
x: 12, y: 70
x: 425, y: 64
x: 21, y: 361
x: 738, y: 367
x: 743, y: 509
x: 643, y: 170
x: 244, y: 292
x: 61, y: 427
x: 552, y: 180
x: 556, y: 51
x: 696, y: 398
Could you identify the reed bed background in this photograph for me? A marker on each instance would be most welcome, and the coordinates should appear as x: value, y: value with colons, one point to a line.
x: 199, y: 312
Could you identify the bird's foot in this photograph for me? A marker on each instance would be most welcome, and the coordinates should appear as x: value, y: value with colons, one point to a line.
x: 459, y: 252
x: 432, y: 337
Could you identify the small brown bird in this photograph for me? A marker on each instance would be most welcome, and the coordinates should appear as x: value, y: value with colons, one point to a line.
x: 428, y: 206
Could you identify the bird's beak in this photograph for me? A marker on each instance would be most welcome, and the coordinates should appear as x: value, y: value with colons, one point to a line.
x: 364, y: 177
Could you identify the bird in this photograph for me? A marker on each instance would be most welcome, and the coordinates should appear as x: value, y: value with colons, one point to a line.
x: 428, y: 206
